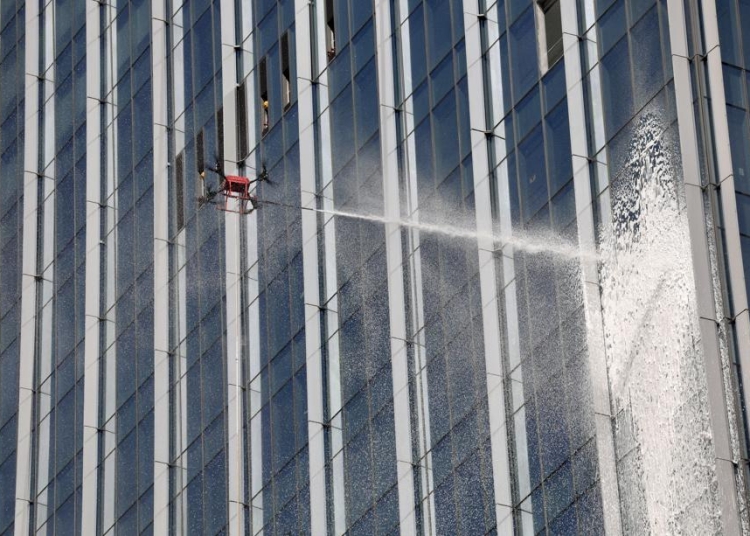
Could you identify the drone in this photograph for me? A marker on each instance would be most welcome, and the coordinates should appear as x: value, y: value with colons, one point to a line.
x: 231, y: 187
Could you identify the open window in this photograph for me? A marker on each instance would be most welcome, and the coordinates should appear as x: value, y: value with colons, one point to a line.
x: 549, y: 30
x: 330, y: 31
x: 286, y: 82
x: 200, y: 158
x: 220, y: 134
x: 265, y: 113
x: 179, y: 177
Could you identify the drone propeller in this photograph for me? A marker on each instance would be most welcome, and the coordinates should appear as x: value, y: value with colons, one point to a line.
x: 217, y: 168
x: 263, y: 175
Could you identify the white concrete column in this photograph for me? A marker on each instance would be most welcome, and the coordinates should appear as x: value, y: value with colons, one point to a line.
x: 253, y: 387
x: 45, y: 361
x: 311, y: 271
x: 420, y: 395
x: 92, y: 312
x: 480, y: 134
x: 233, y: 276
x: 179, y: 402
x: 159, y: 28
x: 701, y: 257
x: 27, y: 351
x: 109, y: 366
x: 329, y: 297
x: 393, y: 248
x: 734, y: 401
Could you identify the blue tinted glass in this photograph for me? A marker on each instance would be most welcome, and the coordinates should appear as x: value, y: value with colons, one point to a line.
x: 743, y: 213
x: 203, y: 51
x: 364, y: 46
x: 727, y: 14
x: 442, y: 78
x: 342, y: 118
x: 564, y: 207
x: 648, y: 71
x: 611, y: 27
x: 418, y: 50
x: 423, y: 141
x: 421, y: 102
x: 460, y: 51
x: 616, y: 88
x: 559, y: 491
x: 602, y: 5
x: 141, y: 26
x: 639, y: 7
x: 446, y: 134
x: 342, y: 21
x: 471, y: 502
x: 438, y: 29
x: 463, y: 117
x: 366, y: 103
x: 446, y: 516
x: 341, y: 71
x: 361, y: 11
x: 268, y: 30
x: 528, y: 113
x: 532, y: 174
x: 733, y: 90
x: 505, y: 72
x: 523, y: 49
x: 515, y: 8
x: 738, y: 136
x: 557, y: 132
x: 554, y: 85
x: 745, y: 25
x: 123, y: 40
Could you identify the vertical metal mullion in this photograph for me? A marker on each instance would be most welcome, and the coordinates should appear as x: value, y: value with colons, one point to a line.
x: 160, y: 54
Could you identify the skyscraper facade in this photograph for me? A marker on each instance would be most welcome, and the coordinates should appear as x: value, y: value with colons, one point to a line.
x: 374, y: 266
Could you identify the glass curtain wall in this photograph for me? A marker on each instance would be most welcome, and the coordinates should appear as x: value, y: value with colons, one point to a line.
x: 206, y: 434
x: 456, y: 377
x: 12, y: 86
x: 134, y: 310
x: 283, y: 374
x: 549, y: 409
x: 62, y: 493
x: 364, y: 334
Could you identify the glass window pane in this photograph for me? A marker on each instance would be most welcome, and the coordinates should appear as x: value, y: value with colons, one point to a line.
x: 618, y: 98
x: 523, y: 49
x: 533, y: 178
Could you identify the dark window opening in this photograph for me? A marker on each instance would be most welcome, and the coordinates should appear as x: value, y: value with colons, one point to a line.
x: 200, y: 154
x: 330, y: 30
x: 241, y: 122
x: 286, y: 83
x: 179, y: 176
x: 220, y: 136
x: 264, y: 104
x: 551, y: 32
